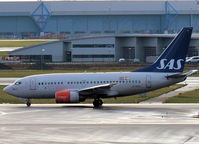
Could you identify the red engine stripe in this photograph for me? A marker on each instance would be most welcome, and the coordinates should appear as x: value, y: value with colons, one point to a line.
x: 63, y: 96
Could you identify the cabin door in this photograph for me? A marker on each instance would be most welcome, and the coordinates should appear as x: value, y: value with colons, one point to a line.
x: 83, y: 83
x: 32, y: 84
x: 148, y: 81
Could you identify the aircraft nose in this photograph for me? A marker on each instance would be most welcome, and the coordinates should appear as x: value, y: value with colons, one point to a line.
x: 7, y: 89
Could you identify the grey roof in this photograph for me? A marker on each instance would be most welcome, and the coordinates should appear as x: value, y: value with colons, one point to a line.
x: 126, y: 7
x: 32, y: 46
x: 194, y: 36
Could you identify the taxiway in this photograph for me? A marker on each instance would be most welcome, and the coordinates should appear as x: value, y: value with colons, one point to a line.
x: 114, y: 123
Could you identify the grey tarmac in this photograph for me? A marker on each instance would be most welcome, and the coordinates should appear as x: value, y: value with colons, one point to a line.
x: 113, y: 123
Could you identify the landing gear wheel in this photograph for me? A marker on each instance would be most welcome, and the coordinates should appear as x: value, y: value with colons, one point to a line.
x: 97, y: 103
x: 28, y: 103
x: 100, y: 102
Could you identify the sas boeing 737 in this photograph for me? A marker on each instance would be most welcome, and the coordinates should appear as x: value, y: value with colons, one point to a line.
x: 77, y: 87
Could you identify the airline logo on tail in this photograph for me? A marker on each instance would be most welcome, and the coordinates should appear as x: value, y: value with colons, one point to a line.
x: 172, y: 64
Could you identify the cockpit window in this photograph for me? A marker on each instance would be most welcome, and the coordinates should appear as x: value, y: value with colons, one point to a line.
x: 17, y: 83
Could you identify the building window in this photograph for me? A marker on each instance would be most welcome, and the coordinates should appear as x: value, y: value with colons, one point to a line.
x: 93, y: 56
x: 93, y: 46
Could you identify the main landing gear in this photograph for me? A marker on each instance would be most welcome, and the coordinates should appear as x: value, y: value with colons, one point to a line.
x: 28, y: 102
x: 97, y: 103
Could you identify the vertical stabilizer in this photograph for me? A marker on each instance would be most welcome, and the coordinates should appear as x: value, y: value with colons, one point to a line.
x: 173, y: 57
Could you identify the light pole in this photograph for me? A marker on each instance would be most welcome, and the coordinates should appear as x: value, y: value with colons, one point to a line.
x: 42, y: 57
x: 130, y: 53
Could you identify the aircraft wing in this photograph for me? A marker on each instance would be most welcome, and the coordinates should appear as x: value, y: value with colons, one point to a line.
x: 103, y: 89
x: 179, y: 75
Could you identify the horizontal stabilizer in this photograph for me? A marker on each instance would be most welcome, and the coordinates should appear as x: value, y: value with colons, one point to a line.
x: 180, y: 75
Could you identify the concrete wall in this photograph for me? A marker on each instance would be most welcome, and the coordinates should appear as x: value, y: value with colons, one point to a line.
x: 95, y: 25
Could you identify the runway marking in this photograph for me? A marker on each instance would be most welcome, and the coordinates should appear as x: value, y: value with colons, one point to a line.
x: 3, y: 113
x: 188, y: 139
x: 22, y: 112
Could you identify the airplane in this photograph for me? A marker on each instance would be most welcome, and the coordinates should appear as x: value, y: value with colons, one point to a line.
x: 77, y: 87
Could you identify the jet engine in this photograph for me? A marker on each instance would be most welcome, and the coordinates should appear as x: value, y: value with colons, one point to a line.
x: 67, y: 97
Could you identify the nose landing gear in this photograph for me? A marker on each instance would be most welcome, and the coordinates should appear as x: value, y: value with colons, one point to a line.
x: 97, y: 103
x: 28, y: 103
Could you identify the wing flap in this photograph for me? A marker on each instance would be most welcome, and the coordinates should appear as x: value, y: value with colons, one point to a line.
x: 97, y: 90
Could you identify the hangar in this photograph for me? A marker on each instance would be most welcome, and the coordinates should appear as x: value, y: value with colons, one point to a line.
x: 145, y: 47
x: 98, y: 31
x: 62, y: 19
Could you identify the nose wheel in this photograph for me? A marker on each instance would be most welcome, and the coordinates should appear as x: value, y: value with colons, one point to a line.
x: 97, y: 103
x: 28, y: 103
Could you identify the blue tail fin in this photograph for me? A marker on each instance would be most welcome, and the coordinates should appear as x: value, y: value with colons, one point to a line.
x: 173, y: 57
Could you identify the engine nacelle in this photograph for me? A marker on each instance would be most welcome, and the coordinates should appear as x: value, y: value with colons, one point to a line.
x: 67, y: 97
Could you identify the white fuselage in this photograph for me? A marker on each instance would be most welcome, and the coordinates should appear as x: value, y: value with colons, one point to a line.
x: 126, y: 83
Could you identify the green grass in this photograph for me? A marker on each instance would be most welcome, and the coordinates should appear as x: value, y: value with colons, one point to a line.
x: 5, y: 98
x: 91, y: 68
x: 22, y: 73
x: 19, y: 43
x: 187, y: 97
x: 4, y: 53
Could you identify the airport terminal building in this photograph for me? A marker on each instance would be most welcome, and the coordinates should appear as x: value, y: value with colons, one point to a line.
x: 98, y: 31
